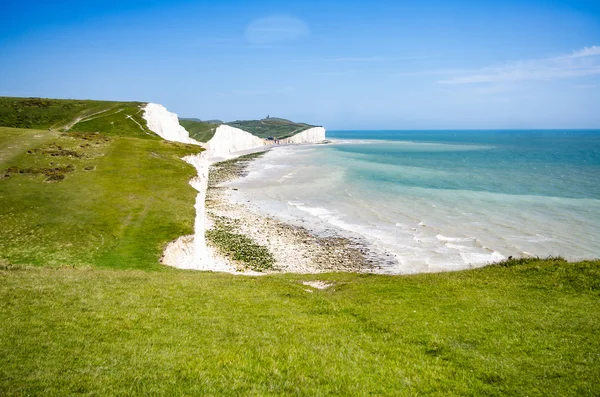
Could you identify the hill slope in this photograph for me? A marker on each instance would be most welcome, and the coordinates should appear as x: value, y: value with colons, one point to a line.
x: 111, y: 118
x: 92, y: 185
x: 271, y: 127
x: 202, y: 131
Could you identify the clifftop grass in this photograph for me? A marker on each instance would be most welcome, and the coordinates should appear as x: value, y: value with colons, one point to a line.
x: 114, y: 201
x: 272, y: 127
x: 528, y: 329
x: 90, y: 185
x: 121, y: 118
x: 110, y: 118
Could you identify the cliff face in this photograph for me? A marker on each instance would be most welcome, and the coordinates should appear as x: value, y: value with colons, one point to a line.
x: 226, y: 140
x: 187, y: 252
x: 190, y: 252
x: 312, y: 135
x: 166, y: 124
x: 230, y: 139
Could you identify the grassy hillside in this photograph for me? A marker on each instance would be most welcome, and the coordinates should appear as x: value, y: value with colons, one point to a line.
x: 91, y: 199
x: 202, y: 121
x: 527, y: 329
x: 85, y: 215
x: 112, y: 118
x: 272, y: 127
x: 199, y: 130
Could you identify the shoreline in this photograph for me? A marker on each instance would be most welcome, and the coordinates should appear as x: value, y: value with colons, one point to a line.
x: 292, y: 248
x: 272, y: 239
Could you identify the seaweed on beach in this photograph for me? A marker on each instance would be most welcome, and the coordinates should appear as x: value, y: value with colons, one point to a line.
x: 326, y: 252
x: 231, y: 169
x: 223, y: 235
x: 239, y: 247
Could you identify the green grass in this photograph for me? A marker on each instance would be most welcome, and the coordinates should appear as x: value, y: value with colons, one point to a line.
x: 124, y: 119
x: 116, y: 201
x: 111, y: 118
x: 527, y: 329
x: 272, y: 127
x: 199, y: 130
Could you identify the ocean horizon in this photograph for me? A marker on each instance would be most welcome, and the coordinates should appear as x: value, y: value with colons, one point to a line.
x: 437, y: 200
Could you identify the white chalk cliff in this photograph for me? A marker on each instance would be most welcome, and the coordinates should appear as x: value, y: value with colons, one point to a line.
x: 191, y: 252
x: 312, y: 135
x: 187, y: 252
x: 229, y: 139
x: 166, y: 124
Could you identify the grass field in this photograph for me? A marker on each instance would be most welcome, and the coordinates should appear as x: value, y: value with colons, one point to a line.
x: 528, y: 329
x: 91, y: 199
x: 272, y: 127
x: 110, y: 118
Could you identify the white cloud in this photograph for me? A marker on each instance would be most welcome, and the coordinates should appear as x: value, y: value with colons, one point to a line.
x: 584, y: 62
x: 276, y: 29
x: 587, y: 52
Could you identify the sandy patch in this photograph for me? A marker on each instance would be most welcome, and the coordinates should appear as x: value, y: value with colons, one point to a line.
x: 318, y: 284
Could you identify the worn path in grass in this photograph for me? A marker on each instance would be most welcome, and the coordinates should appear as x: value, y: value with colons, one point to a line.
x: 108, y: 117
x: 530, y: 329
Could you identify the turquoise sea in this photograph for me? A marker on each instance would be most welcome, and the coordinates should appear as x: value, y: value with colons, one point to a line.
x: 440, y: 200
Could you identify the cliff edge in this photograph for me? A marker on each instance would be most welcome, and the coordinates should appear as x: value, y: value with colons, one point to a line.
x: 166, y: 124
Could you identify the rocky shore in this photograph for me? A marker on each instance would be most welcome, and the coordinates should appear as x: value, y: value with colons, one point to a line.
x: 272, y: 245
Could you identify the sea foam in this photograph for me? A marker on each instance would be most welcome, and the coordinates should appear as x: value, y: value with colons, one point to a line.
x: 458, y: 201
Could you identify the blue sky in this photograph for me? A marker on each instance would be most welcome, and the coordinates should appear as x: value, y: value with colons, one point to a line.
x: 341, y: 64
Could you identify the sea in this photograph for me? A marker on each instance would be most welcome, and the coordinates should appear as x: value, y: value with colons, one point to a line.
x: 432, y: 201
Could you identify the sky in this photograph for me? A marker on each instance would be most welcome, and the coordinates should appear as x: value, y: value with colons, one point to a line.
x: 341, y: 64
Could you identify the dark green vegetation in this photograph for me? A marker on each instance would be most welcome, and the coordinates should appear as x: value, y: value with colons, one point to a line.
x: 237, y: 246
x: 110, y: 118
x: 530, y: 328
x: 52, y: 173
x: 219, y: 122
x: 271, y: 127
x: 114, y: 200
x: 230, y: 169
x: 201, y: 131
